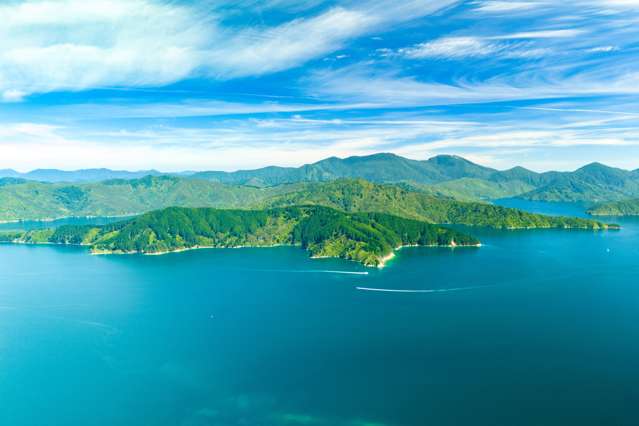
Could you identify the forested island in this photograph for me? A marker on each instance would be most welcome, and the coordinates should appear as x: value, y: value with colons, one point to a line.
x: 368, y: 238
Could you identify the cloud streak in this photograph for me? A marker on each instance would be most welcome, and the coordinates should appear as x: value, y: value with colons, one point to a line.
x: 75, y: 45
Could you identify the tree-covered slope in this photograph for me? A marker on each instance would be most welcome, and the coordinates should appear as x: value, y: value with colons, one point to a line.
x: 476, y: 189
x: 592, y: 183
x: 32, y: 200
x: 27, y: 200
x: 442, y: 175
x: 368, y: 238
x: 454, y: 176
x: 363, y: 196
x: 617, y: 208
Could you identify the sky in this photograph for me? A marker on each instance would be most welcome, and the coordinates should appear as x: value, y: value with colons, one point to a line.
x: 226, y: 85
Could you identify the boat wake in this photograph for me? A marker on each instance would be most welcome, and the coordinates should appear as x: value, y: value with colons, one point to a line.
x: 316, y: 271
x: 437, y: 290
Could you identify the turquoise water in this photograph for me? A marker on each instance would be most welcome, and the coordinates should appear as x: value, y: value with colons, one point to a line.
x: 543, y: 329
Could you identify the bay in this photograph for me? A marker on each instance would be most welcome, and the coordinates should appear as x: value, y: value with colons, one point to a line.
x: 536, y: 327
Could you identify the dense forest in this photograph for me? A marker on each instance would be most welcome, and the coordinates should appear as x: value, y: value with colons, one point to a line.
x: 362, y: 196
x: 364, y: 237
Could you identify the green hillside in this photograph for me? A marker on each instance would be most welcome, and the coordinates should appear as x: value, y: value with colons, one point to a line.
x: 446, y: 175
x: 363, y: 196
x: 28, y: 200
x: 369, y: 238
x: 617, y: 208
x: 33, y: 200
x: 592, y: 183
x: 475, y: 189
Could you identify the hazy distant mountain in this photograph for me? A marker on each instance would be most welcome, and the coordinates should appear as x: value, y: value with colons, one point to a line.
x: 86, y: 175
x: 9, y: 173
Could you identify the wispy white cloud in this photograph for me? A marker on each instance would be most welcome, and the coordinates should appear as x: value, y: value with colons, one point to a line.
x: 48, y: 45
x: 543, y: 34
x: 497, y: 138
x: 255, y: 51
x: 469, y: 47
x: 451, y: 47
x: 603, y: 49
x: 505, y: 6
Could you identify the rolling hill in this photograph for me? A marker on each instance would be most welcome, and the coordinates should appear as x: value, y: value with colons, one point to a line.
x: 444, y: 175
x: 362, y: 196
x: 33, y: 200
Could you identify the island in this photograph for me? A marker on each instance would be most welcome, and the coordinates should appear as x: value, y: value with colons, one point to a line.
x: 368, y: 238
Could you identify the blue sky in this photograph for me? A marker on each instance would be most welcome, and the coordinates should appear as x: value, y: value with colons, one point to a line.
x: 183, y: 85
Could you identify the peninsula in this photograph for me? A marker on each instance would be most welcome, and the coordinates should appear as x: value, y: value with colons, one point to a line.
x: 368, y: 238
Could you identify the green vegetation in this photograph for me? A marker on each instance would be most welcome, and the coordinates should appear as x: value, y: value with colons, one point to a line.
x: 474, y: 189
x: 453, y: 176
x: 592, y: 183
x: 34, y: 200
x: 617, y: 208
x: 363, y: 237
x: 363, y: 196
x: 375, y: 168
x: 28, y: 200
x: 443, y: 175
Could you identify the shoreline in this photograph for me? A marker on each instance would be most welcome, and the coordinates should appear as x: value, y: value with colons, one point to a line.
x: 53, y: 219
x: 383, y: 261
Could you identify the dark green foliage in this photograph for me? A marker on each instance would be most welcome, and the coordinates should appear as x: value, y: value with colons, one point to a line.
x: 364, y: 237
x: 71, y: 234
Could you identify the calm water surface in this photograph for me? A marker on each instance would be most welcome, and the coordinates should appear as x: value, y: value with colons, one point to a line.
x: 543, y: 329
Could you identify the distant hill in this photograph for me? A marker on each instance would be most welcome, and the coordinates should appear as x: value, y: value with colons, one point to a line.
x: 452, y: 176
x: 362, y: 196
x: 616, y: 208
x: 28, y: 200
x: 374, y: 168
x: 86, y: 175
x: 592, y: 183
x: 36, y: 200
x: 445, y: 175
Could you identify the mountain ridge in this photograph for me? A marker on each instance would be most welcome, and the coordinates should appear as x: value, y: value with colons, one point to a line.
x: 447, y: 175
